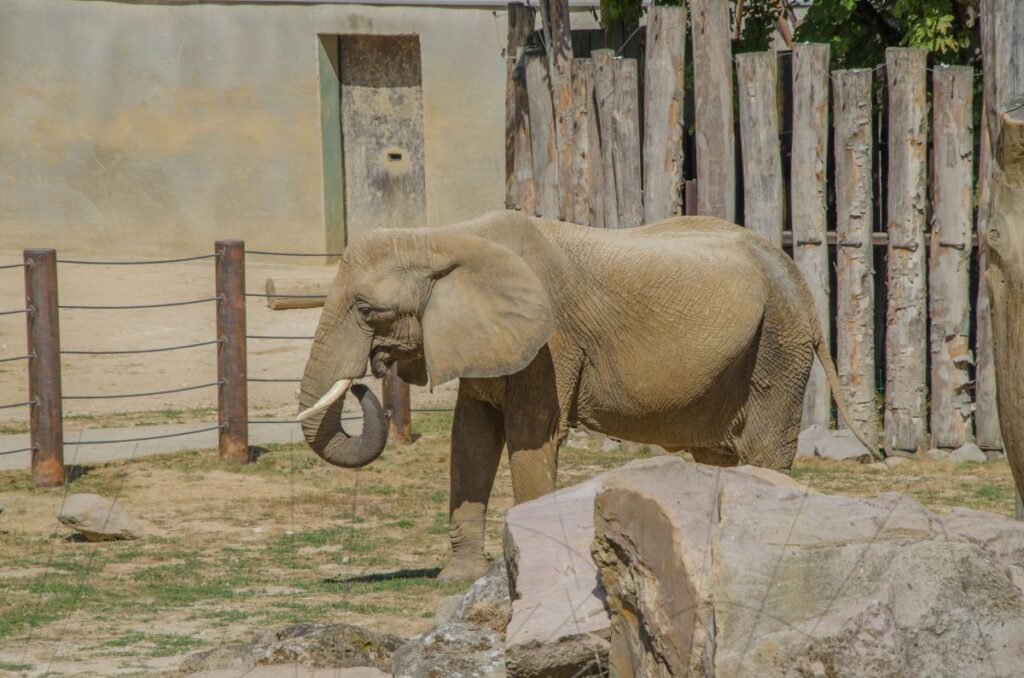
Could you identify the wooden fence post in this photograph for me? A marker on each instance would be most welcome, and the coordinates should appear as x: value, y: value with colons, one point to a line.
x: 520, y: 26
x: 558, y: 38
x: 397, y: 405
x: 626, y: 118
x: 586, y: 151
x: 809, y: 196
x: 233, y: 398
x: 757, y: 82
x: 46, y: 423
x: 855, y: 293
x: 664, y: 89
x: 949, y: 282
x: 604, y: 98
x: 690, y: 204
x: 526, y: 186
x: 712, y: 89
x: 906, y: 327
x: 542, y: 136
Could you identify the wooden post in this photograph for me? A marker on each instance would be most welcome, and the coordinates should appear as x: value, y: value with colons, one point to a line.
x: 808, y: 191
x: 542, y: 136
x: 586, y: 151
x: 526, y: 187
x: 664, y: 89
x: 604, y: 98
x: 626, y: 118
x: 397, y: 405
x: 520, y: 26
x: 46, y: 423
x: 906, y: 327
x: 691, y: 197
x: 712, y: 89
x: 949, y: 283
x: 233, y: 398
x: 756, y: 79
x: 855, y: 289
x: 558, y: 38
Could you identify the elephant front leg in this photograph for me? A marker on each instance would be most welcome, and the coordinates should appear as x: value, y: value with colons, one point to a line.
x: 477, y: 439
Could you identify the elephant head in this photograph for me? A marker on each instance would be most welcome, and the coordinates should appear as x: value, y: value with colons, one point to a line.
x: 442, y: 303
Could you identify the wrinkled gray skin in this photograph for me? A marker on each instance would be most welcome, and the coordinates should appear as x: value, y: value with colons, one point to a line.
x: 690, y: 333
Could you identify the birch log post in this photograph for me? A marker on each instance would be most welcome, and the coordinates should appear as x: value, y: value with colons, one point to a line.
x: 756, y: 80
x: 542, y: 136
x: 520, y: 26
x: 855, y: 293
x: 582, y: 145
x: 525, y: 187
x: 558, y: 38
x: 809, y: 207
x: 712, y: 89
x: 626, y: 118
x: 906, y: 316
x: 1005, y: 277
x: 604, y: 97
x: 664, y: 89
x: 949, y: 283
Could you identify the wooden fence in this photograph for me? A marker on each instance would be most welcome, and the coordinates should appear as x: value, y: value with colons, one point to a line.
x: 863, y: 178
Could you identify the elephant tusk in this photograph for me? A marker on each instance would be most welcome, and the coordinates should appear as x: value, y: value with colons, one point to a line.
x: 335, y: 392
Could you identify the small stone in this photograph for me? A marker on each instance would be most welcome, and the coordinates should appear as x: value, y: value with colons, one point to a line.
x: 968, y: 452
x: 577, y: 439
x: 611, y: 445
x: 937, y: 454
x: 808, y: 438
x: 98, y: 518
x: 841, y: 445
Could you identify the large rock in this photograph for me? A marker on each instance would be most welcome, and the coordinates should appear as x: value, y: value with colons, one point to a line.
x: 808, y: 438
x: 968, y: 452
x: 714, y: 572
x: 559, y: 625
x: 98, y: 518
x: 842, y: 445
x: 292, y: 671
x: 469, y: 642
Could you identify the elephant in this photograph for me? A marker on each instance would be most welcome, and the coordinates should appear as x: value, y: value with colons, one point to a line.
x: 691, y: 333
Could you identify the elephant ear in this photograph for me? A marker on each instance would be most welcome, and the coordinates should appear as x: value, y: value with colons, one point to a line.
x: 488, y: 314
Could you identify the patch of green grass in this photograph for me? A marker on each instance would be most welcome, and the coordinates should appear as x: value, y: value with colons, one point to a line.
x: 13, y: 666
x: 438, y: 496
x: 170, y: 644
x: 440, y: 524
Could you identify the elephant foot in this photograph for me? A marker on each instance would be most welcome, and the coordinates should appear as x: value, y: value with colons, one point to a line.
x: 464, y: 569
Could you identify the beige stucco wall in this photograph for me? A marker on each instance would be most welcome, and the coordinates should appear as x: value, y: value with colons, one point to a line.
x: 150, y: 129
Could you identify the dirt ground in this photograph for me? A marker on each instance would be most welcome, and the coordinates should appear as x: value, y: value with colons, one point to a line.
x: 145, y: 328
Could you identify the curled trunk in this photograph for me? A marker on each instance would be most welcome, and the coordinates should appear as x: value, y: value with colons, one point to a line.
x: 326, y: 435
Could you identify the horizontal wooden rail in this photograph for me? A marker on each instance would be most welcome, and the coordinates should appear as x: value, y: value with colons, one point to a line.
x: 879, y: 239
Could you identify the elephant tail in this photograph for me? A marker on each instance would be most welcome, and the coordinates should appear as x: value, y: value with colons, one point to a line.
x: 821, y: 350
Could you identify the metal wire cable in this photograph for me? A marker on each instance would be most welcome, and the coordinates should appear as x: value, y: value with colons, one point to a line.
x: 272, y: 336
x: 135, y: 263
x: 145, y: 350
x: 118, y: 308
x: 286, y: 296
x: 20, y: 310
x: 18, y: 357
x: 23, y: 449
x: 295, y: 421
x: 136, y: 440
x: 294, y: 254
x: 139, y: 395
x: 268, y: 380
x: 10, y: 405
x: 6, y: 266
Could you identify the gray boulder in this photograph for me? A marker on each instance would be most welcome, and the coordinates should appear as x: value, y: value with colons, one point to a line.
x: 291, y: 671
x: 968, y: 452
x: 808, y: 438
x: 98, y: 518
x: 937, y: 454
x: 708, y: 573
x: 842, y: 445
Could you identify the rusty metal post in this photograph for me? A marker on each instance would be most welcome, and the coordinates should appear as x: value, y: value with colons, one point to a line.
x: 690, y: 203
x: 233, y: 398
x: 397, y: 405
x: 43, y: 325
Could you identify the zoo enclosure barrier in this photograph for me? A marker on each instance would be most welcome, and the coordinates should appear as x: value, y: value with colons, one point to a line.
x: 42, y: 310
x: 837, y: 167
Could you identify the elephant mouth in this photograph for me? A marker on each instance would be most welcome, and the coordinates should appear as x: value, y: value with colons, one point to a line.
x: 381, y: 358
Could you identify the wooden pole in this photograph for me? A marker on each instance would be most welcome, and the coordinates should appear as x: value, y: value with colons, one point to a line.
x: 397, y: 405
x: 906, y: 317
x: 289, y: 293
x: 626, y: 118
x: 558, y: 38
x: 604, y: 98
x: 757, y: 82
x: 46, y: 423
x: 949, y: 283
x: 808, y: 191
x: 586, y: 151
x: 712, y: 89
x: 526, y: 188
x: 542, y: 136
x: 664, y: 89
x: 520, y: 26
x: 855, y: 289
x: 690, y: 205
x: 233, y: 398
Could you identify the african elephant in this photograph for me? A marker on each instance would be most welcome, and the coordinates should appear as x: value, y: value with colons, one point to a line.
x: 689, y: 333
